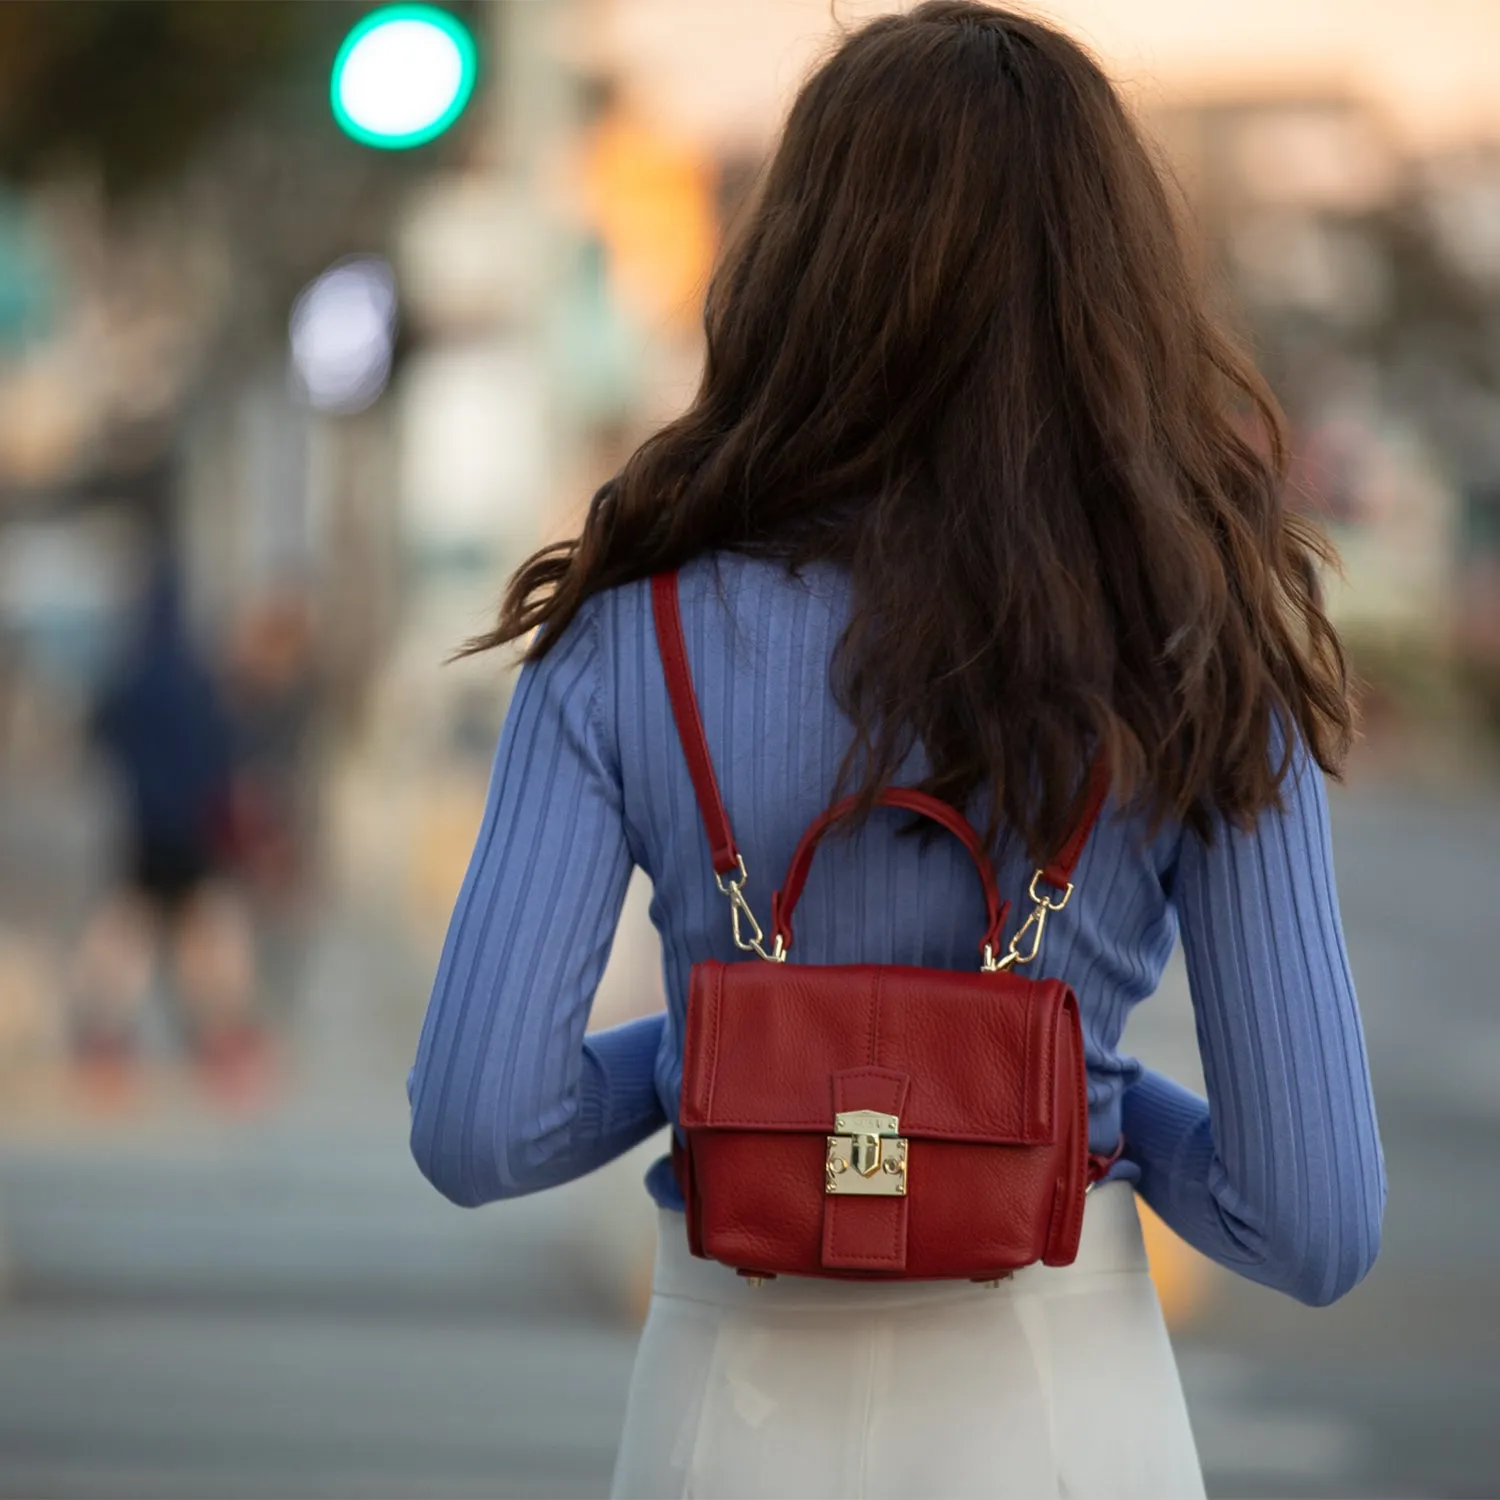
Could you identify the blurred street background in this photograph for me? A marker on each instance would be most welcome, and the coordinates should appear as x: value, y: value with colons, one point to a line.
x: 316, y: 318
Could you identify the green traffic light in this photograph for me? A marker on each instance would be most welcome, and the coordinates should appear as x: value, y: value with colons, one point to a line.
x: 403, y: 75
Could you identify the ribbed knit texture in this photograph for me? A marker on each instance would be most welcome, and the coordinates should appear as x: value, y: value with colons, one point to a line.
x: 1278, y: 1176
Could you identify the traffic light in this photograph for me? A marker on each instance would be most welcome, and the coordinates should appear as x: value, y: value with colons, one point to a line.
x: 403, y: 75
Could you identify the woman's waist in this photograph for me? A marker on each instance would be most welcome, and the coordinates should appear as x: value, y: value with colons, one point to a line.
x: 1110, y: 1244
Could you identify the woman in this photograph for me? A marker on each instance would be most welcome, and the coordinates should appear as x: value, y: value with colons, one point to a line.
x: 972, y: 489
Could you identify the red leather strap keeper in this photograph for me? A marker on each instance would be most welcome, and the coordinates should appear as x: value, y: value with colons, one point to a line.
x: 1101, y: 1166
x: 866, y: 1234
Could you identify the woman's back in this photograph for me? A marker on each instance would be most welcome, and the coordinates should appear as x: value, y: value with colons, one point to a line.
x: 760, y: 643
x: 1287, y: 1187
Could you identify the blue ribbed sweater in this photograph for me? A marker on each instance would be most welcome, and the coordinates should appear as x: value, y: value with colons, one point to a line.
x: 1278, y: 1175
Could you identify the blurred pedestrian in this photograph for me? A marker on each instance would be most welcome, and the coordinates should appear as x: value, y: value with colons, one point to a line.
x: 273, y: 692
x: 162, y: 725
x: 275, y: 689
x: 961, y: 509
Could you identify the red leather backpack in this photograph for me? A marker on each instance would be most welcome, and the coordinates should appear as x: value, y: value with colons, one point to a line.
x: 869, y: 1120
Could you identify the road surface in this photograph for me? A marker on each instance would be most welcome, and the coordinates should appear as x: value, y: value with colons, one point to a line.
x: 282, y: 1309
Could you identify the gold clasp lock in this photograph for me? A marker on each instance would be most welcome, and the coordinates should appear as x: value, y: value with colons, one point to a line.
x: 868, y: 1155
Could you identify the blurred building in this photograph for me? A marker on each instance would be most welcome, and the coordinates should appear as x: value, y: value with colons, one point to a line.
x: 1363, y: 275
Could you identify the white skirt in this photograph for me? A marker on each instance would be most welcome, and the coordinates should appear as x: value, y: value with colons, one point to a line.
x: 1057, y: 1385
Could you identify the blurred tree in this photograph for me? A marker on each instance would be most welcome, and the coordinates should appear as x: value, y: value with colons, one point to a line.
x: 28, y: 290
x: 131, y: 87
x: 212, y: 116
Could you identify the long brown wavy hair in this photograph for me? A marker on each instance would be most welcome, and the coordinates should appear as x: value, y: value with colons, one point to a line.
x: 955, y: 347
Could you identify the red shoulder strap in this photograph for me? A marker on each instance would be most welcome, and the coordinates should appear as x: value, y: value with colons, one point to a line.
x: 1059, y: 871
x: 667, y: 615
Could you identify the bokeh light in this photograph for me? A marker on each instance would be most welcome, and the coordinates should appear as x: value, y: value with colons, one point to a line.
x: 403, y: 76
x: 343, y: 329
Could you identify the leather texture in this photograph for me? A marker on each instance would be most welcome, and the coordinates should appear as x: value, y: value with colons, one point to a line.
x: 985, y: 1072
x: 989, y: 1072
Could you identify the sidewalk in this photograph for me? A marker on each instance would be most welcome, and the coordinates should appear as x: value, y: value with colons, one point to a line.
x: 152, y: 1185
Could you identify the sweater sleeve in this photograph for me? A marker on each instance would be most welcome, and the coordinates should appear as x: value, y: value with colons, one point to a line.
x: 1279, y: 1175
x: 508, y: 1095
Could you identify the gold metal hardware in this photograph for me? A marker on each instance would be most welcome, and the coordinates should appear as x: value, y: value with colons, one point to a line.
x: 867, y: 1156
x: 754, y: 1280
x: 1035, y: 924
x: 739, y: 909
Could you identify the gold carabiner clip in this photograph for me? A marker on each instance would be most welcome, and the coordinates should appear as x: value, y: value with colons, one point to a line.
x: 739, y: 909
x: 1035, y: 924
